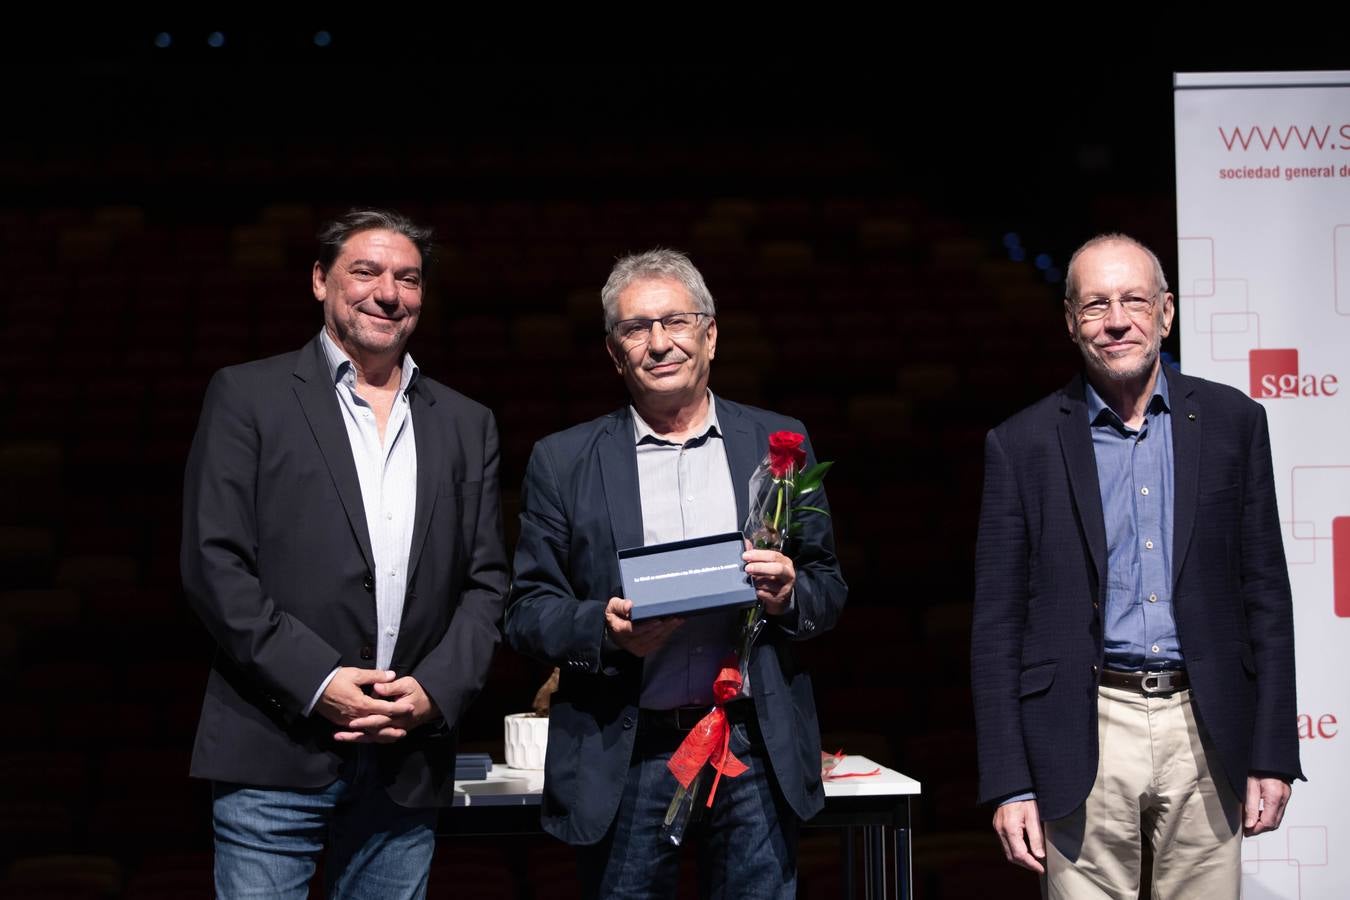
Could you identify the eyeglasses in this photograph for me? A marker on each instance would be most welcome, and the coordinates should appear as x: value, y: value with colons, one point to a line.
x: 639, y: 331
x: 1090, y: 309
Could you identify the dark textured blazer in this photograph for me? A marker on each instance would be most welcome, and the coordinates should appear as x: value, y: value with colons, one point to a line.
x: 580, y: 505
x: 276, y: 560
x: 1040, y: 577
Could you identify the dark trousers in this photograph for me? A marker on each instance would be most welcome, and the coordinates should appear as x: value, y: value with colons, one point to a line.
x: 746, y: 843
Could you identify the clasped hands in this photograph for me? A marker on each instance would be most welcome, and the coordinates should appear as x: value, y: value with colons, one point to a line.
x: 398, y: 705
x: 772, y: 573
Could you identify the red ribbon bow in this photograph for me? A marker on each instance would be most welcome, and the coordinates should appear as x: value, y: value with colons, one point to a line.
x: 710, y: 739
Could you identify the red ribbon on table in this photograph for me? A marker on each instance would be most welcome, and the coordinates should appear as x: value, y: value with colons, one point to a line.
x: 710, y: 739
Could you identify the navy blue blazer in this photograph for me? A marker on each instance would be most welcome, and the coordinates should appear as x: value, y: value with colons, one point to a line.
x: 1040, y: 569
x: 580, y: 504
x: 277, y: 562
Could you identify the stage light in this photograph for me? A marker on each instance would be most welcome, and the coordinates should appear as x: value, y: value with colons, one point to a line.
x: 215, y: 39
x: 322, y: 39
x: 163, y: 39
x: 1043, y: 261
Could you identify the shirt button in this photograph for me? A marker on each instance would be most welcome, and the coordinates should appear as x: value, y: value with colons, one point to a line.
x: 1148, y: 544
x: 690, y: 499
x: 393, y: 574
x: 391, y: 631
x: 1155, y: 649
x: 1144, y: 491
x: 1152, y: 598
x: 388, y: 515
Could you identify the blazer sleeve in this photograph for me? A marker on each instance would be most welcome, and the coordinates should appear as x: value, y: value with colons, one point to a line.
x: 544, y: 617
x: 219, y: 554
x: 1268, y: 603
x: 820, y: 591
x: 998, y: 623
x: 456, y: 669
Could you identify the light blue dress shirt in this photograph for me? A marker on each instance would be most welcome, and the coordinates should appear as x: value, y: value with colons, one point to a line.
x: 1135, y: 475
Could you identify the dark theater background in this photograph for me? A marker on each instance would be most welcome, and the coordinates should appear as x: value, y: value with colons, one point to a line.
x: 885, y: 242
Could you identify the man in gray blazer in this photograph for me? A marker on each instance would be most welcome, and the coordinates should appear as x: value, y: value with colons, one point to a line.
x: 342, y: 544
x: 673, y: 465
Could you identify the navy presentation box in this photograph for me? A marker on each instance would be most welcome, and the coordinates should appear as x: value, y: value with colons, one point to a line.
x: 684, y: 578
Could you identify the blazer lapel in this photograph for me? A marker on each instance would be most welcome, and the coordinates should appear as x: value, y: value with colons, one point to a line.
x: 745, y: 446
x: 429, y: 459
x: 314, y: 390
x: 1186, y: 436
x: 618, y: 472
x: 1075, y: 441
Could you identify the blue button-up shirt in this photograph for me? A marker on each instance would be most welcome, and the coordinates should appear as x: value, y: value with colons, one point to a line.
x: 1135, y: 474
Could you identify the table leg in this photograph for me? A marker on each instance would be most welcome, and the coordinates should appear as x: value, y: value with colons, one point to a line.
x: 848, y: 863
x: 904, y: 864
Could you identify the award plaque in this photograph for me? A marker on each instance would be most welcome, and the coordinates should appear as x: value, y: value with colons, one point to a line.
x: 685, y: 578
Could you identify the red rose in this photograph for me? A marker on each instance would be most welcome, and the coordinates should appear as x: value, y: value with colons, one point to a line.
x: 785, y: 452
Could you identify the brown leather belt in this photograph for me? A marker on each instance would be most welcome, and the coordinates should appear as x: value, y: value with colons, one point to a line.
x: 1162, y: 683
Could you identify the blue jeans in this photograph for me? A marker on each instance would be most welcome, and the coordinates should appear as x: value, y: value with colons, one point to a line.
x: 747, y: 841
x: 268, y: 841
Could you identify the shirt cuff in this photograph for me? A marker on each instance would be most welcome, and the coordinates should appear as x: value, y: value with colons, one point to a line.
x: 1018, y: 798
x: 319, y: 693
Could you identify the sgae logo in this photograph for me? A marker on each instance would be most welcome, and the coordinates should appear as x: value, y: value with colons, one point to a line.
x: 1275, y: 375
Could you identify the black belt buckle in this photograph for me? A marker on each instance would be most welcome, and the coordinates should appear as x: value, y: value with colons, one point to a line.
x: 687, y: 717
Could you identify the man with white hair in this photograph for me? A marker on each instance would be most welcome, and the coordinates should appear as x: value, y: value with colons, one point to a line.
x: 1132, y: 647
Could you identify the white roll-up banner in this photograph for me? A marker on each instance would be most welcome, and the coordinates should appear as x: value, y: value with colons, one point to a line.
x: 1263, y: 229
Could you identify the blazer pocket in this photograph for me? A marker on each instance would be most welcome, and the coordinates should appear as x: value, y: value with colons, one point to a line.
x: 461, y: 488
x: 1036, y: 679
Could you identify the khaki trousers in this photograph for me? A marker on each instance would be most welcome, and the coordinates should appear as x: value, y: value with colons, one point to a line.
x: 1154, y: 779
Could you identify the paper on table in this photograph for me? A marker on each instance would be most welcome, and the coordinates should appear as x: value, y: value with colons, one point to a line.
x: 834, y: 766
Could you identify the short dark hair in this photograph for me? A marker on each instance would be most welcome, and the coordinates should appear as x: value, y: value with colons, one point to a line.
x: 336, y: 233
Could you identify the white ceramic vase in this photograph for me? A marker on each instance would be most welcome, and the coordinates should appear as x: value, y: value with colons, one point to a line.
x: 526, y: 741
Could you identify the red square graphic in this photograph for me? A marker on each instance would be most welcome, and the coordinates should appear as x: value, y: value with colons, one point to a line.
x: 1340, y: 564
x: 1274, y: 373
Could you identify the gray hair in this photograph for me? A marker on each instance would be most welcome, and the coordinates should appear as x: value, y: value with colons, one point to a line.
x: 1113, y: 237
x: 654, y: 264
x: 337, y: 232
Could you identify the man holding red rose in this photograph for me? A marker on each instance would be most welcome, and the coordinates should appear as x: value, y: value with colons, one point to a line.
x: 675, y: 464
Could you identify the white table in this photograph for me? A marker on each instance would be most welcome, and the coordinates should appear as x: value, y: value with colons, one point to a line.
x: 876, y: 805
